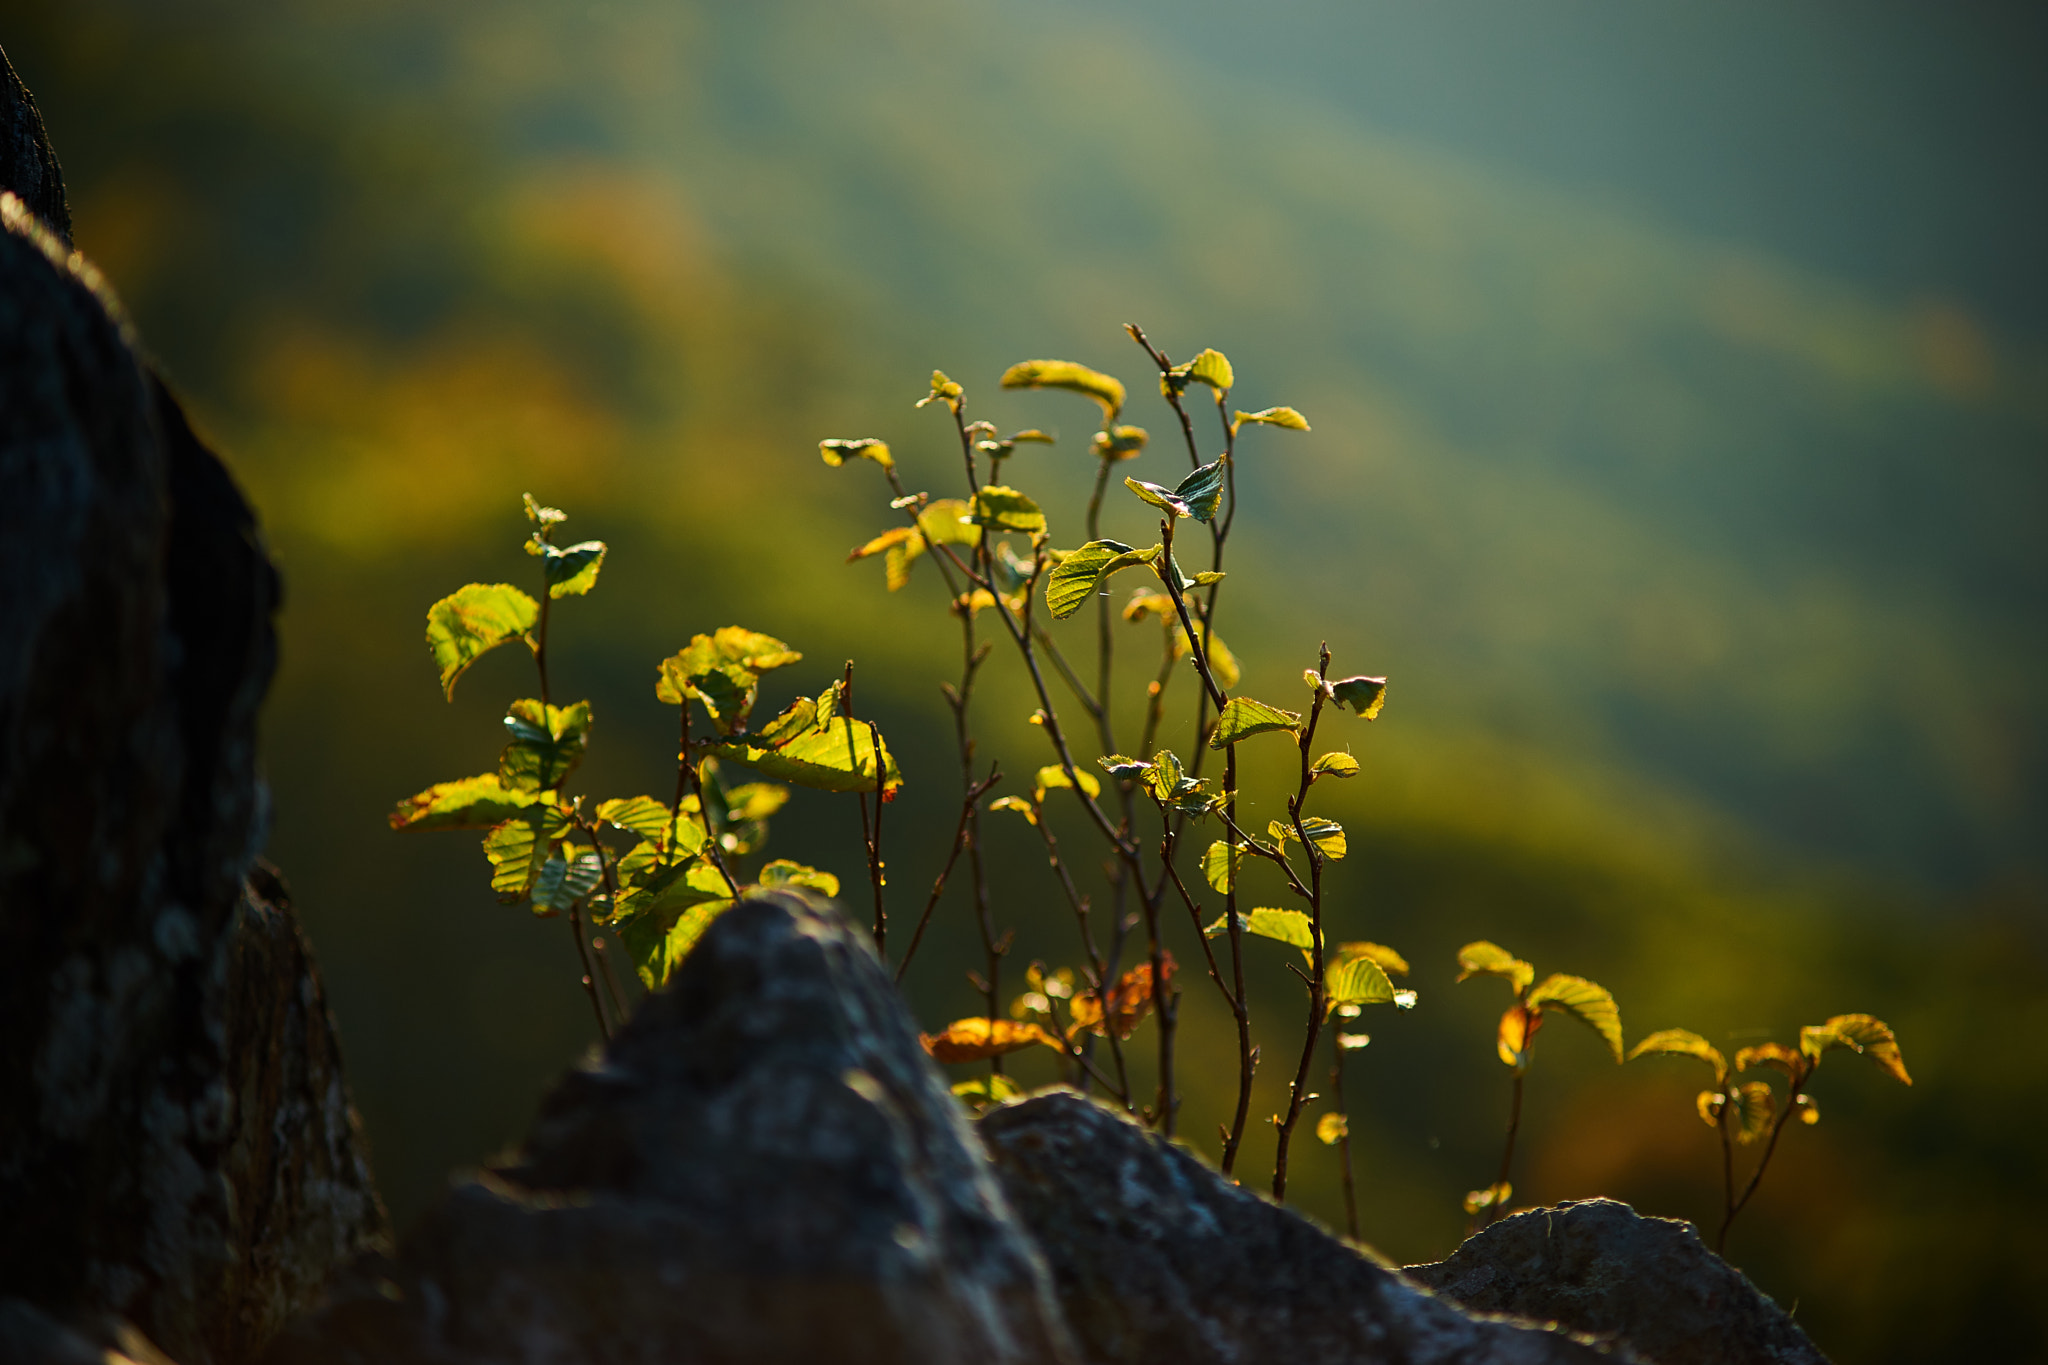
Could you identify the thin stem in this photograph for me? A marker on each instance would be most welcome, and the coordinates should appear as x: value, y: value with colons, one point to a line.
x: 1247, y: 1055
x: 589, y: 979
x: 611, y: 890
x: 967, y: 804
x: 1507, y: 1156
x: 1727, y: 1169
x: 1166, y: 1105
x: 875, y: 844
x: 1297, y: 1094
x: 1791, y: 1105
x: 611, y: 983
x: 1344, y: 1141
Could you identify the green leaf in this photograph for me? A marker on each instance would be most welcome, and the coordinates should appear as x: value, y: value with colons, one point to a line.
x: 1221, y: 862
x: 1017, y: 804
x: 1363, y: 695
x: 944, y: 390
x: 1223, y: 665
x: 1591, y: 1005
x: 520, y: 848
x: 837, y: 453
x: 1358, y: 981
x: 1487, y: 959
x: 947, y: 521
x: 1119, y: 443
x: 547, y: 744
x: 1075, y: 579
x: 641, y: 815
x: 1282, y: 926
x: 998, y: 508
x: 783, y: 872
x: 1391, y: 962
x: 542, y: 516
x: 563, y: 882
x: 1056, y: 776
x: 1273, y: 417
x: 983, y: 1091
x: 1862, y: 1033
x: 1158, y: 496
x: 1208, y: 576
x: 1334, y: 765
x: 571, y: 571
x: 1211, y: 367
x: 472, y: 621
x: 723, y: 671
x: 472, y: 803
x: 1678, y: 1042
x: 1325, y: 834
x: 1065, y: 374
x: 1122, y: 766
x: 1755, y: 1108
x: 1242, y: 718
x: 833, y: 753
x: 1202, y: 491
x: 659, y: 945
x: 755, y: 800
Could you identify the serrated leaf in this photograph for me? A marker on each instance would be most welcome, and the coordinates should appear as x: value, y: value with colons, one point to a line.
x: 838, y: 452
x: 1518, y: 1027
x: 519, y: 848
x: 723, y: 671
x: 976, y: 1039
x: 1358, y: 981
x: 1122, y: 766
x: 1678, y: 1042
x: 547, y: 744
x: 542, y: 516
x: 1159, y: 496
x: 1332, y: 1129
x: 662, y: 890
x: 1274, y: 417
x: 563, y: 882
x: 1776, y: 1055
x: 1325, y: 834
x: 1334, y: 765
x: 1364, y: 695
x: 1391, y: 962
x: 1119, y: 443
x: 658, y: 945
x: 471, y: 803
x: 782, y: 872
x: 1065, y: 374
x: 1201, y: 492
x: 1130, y: 1000
x: 1078, y: 574
x: 570, y: 571
x: 1755, y: 1108
x: 1487, y: 959
x: 1220, y: 864
x: 1590, y: 1004
x: 1054, y: 776
x: 641, y: 815
x: 1242, y: 718
x: 998, y: 508
x: 1210, y: 367
x: 471, y: 622
x: 1873, y: 1038
x: 833, y: 753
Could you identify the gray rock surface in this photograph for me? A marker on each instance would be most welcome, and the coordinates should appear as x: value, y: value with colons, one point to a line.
x: 27, y: 165
x: 763, y: 1166
x: 1600, y: 1267
x: 1156, y: 1257
x: 177, y: 1147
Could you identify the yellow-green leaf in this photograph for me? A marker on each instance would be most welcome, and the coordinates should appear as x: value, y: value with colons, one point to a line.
x: 472, y: 621
x: 1709, y: 1103
x: 1518, y: 1026
x: 723, y: 671
x: 1056, y: 776
x: 1242, y: 718
x: 471, y: 803
x: 641, y: 815
x: 944, y: 390
x: 547, y: 744
x: 1223, y: 664
x: 1332, y: 1128
x: 1274, y: 417
x: 998, y: 508
x: 1359, y: 981
x: 837, y: 453
x: 1873, y: 1038
x: 889, y: 539
x: 1119, y: 443
x: 520, y: 848
x: 1075, y: 578
x: 1809, y: 1109
x: 1487, y: 959
x: 1325, y: 834
x: 833, y: 753
x: 755, y: 800
x: 782, y: 872
x: 1159, y: 496
x: 569, y: 571
x: 1778, y: 1055
x: 1065, y: 374
x: 542, y: 516
x: 1017, y: 804
x: 1220, y: 864
x: 1334, y: 765
x: 1591, y: 1005
x: 1678, y: 1042
x: 948, y: 521
x: 1363, y: 695
x: 1755, y: 1107
x: 564, y: 881
x: 1211, y: 367
x: 1391, y: 962
x: 983, y: 1091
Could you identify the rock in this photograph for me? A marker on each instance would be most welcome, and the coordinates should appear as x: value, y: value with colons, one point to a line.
x: 30, y: 1337
x: 1156, y: 1257
x: 763, y: 1166
x: 27, y: 165
x: 1600, y: 1267
x: 177, y: 1147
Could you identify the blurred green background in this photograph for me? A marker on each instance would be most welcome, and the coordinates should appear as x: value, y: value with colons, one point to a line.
x: 1679, y: 387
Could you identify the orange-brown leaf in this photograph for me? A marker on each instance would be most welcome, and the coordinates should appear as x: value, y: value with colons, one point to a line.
x: 1517, y: 1027
x: 1130, y: 1000
x: 976, y: 1039
x: 1778, y: 1055
x: 1873, y: 1038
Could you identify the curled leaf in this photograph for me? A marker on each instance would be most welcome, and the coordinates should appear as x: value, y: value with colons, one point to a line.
x: 1211, y: 367
x: 471, y: 622
x: 1873, y: 1038
x: 542, y: 516
x: 1065, y: 374
x: 1334, y: 765
x: 783, y: 872
x: 1488, y: 959
x: 1119, y: 443
x: 1272, y: 417
x: 1517, y: 1029
x: 1809, y: 1109
x: 838, y: 452
x: 1590, y: 1004
x: 1159, y: 496
x: 1121, y: 766
x: 1709, y: 1103
x: 1678, y: 1042
x: 1017, y: 804
x: 976, y: 1039
x: 1777, y: 1055
x: 1390, y: 961
x: 1055, y: 776
x: 1363, y: 695
x: 944, y: 390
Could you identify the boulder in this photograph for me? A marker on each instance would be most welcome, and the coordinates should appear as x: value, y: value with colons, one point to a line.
x: 177, y: 1147
x: 1600, y: 1267
x: 1157, y: 1257
x: 762, y: 1166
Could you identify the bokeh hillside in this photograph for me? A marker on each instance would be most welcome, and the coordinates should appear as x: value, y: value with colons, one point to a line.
x: 1711, y: 580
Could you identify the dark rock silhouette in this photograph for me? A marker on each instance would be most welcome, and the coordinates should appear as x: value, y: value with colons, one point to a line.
x: 177, y: 1146
x: 1600, y: 1267
x: 1157, y: 1257
x: 763, y: 1166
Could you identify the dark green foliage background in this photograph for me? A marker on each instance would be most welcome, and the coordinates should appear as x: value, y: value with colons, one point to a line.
x: 1678, y: 384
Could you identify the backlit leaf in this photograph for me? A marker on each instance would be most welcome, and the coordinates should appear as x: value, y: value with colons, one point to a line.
x: 1777, y: 1055
x: 1017, y: 804
x: 1334, y: 765
x: 755, y: 800
x: 547, y: 744
x: 570, y: 571
x: 944, y: 390
x: 1584, y: 1001
x: 1678, y: 1042
x: 1130, y: 1000
x: 1119, y: 443
x: 1331, y: 1129
x: 542, y: 516
x: 1223, y: 664
x: 1220, y: 864
x: 1873, y: 1038
x: 1211, y: 367
x: 998, y: 508
x: 833, y: 753
x: 889, y: 539
x: 1122, y: 766
x: 1282, y: 926
x: 1274, y: 417
x: 948, y: 521
x: 976, y: 1039
x: 1755, y: 1108
x: 1709, y: 1103
x: 680, y: 937
x: 1054, y: 776
x: 723, y: 671
x: 563, y: 882
x: 1487, y: 959
x: 1358, y: 981
x: 1391, y: 962
x: 783, y: 872
x: 1518, y: 1027
x: 1201, y: 492
x: 1493, y: 1196
x: 1809, y: 1109
x: 1363, y: 695
x: 1325, y: 834
x: 1065, y: 374
x: 472, y: 621
x: 1159, y: 496
x: 1075, y: 579
x: 1242, y: 718
x: 983, y: 1091
x: 471, y: 803
x: 519, y: 849
x: 837, y: 453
